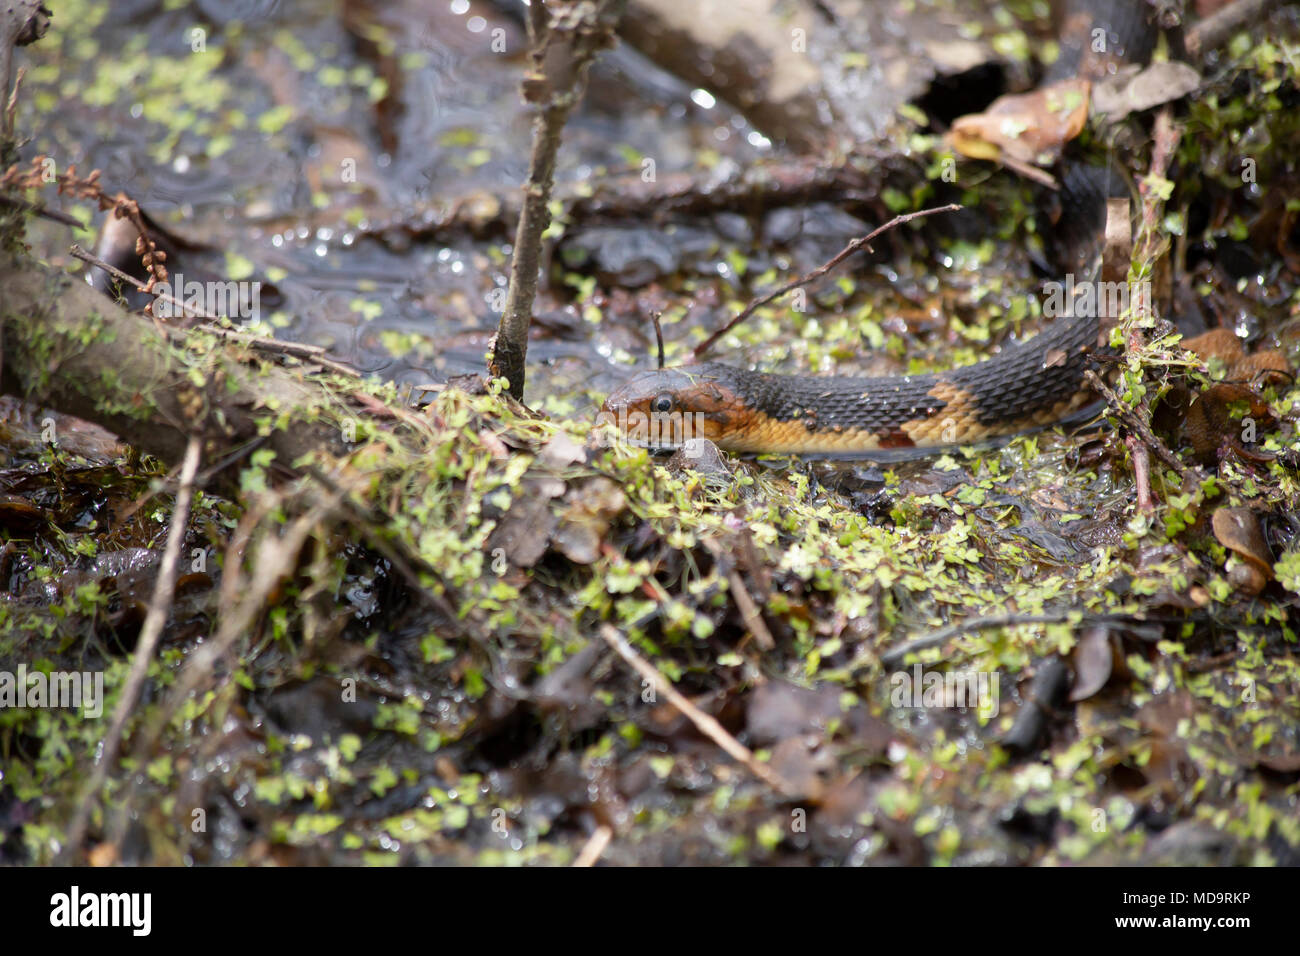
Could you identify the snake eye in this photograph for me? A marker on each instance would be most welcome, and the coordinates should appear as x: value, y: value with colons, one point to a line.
x: 663, y: 403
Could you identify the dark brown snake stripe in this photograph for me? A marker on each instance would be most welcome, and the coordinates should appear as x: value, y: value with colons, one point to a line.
x: 1028, y: 386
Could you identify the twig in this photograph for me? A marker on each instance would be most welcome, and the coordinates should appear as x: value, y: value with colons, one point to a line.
x: 702, y: 721
x: 79, y: 253
x: 1165, y: 137
x: 595, y: 846
x: 89, y: 187
x: 749, y: 612
x: 314, y: 353
x: 1117, y: 259
x: 1116, y: 256
x: 1214, y: 30
x: 1135, y: 422
x: 852, y: 247
x: 1141, y: 471
x: 54, y: 215
x: 243, y: 598
x: 164, y: 591
x: 896, y: 655
x: 11, y: 105
x: 659, y: 336
x: 564, y: 44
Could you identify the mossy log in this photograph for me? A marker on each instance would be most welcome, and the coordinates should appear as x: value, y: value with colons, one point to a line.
x: 68, y: 347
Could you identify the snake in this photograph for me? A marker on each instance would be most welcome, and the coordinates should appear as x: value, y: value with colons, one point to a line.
x: 1027, y: 386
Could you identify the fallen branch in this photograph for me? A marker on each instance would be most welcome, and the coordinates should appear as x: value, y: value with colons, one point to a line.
x: 702, y: 721
x: 751, y: 190
x: 70, y: 348
x: 850, y: 249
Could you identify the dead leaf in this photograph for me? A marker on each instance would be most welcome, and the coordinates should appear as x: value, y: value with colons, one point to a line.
x: 562, y: 451
x: 1025, y: 130
x: 525, y: 530
x: 1093, y: 662
x: 806, y: 762
x: 585, y: 521
x: 1132, y: 90
x: 778, y: 710
x: 1237, y: 529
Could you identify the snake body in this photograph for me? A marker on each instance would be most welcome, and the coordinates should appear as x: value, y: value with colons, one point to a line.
x: 1027, y: 386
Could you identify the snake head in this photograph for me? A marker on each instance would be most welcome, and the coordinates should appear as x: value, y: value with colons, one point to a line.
x: 667, y: 407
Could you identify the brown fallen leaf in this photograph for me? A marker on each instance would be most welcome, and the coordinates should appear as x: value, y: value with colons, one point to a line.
x: 583, y: 524
x: 778, y: 710
x: 18, y: 515
x: 1237, y: 529
x: 1211, y: 427
x: 493, y: 444
x: 1134, y: 90
x: 807, y: 763
x: 1025, y: 131
x: 562, y: 451
x: 525, y: 531
x: 1093, y: 662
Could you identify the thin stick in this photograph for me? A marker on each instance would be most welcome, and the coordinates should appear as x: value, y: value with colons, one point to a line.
x: 11, y: 105
x: 243, y: 598
x: 117, y: 273
x: 1141, y: 456
x: 1134, y: 422
x: 659, y: 335
x: 702, y: 721
x: 895, y: 655
x: 852, y: 247
x: 1116, y: 259
x: 1215, y: 29
x: 749, y: 612
x: 314, y: 353
x: 164, y: 591
x: 1165, y: 136
x: 595, y: 846
x: 53, y: 215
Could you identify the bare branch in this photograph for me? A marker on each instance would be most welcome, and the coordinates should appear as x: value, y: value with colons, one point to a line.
x: 852, y: 247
